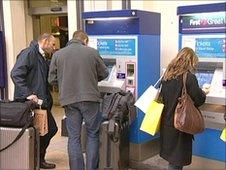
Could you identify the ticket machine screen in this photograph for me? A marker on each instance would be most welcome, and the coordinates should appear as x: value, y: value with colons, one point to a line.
x: 204, y: 77
x: 110, y: 67
x: 110, y: 63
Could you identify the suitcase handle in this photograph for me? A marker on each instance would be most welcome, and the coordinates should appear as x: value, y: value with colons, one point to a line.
x: 113, y: 130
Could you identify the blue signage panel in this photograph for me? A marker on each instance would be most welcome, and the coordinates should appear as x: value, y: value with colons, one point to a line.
x: 122, y: 47
x: 203, y: 23
x: 121, y: 75
x: 210, y: 47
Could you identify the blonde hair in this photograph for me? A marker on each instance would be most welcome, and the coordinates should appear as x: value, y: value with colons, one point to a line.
x: 186, y: 60
x: 81, y: 35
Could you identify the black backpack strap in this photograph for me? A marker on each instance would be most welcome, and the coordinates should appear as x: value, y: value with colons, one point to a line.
x: 20, y: 133
x: 111, y: 105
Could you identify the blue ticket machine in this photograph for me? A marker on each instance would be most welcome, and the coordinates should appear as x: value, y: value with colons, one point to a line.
x: 203, y: 27
x: 129, y: 42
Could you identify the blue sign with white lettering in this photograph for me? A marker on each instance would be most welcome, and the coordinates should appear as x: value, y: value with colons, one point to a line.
x: 200, y: 23
x: 121, y: 75
x: 210, y: 47
x: 120, y: 47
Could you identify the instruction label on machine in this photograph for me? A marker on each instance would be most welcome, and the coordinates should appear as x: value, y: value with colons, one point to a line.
x: 210, y: 47
x: 119, y: 47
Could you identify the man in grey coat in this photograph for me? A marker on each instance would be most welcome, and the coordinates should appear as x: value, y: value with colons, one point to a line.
x: 77, y: 69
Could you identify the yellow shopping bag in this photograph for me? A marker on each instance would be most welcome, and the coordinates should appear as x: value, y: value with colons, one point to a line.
x: 151, y: 121
x: 223, y: 135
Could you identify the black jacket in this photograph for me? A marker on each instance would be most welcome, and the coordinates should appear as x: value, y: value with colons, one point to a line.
x: 176, y: 146
x: 29, y: 75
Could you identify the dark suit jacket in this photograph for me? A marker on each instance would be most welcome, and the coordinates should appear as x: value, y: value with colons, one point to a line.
x: 29, y: 75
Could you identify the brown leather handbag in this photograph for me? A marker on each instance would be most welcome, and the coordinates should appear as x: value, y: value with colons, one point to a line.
x: 187, y: 117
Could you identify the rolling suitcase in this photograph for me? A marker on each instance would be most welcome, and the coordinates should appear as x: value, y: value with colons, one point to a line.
x: 23, y: 154
x: 114, y: 155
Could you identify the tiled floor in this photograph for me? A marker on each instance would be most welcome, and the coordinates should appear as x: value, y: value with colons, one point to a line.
x: 57, y: 153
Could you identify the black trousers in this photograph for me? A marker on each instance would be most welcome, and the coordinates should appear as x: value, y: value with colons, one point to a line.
x: 45, y: 140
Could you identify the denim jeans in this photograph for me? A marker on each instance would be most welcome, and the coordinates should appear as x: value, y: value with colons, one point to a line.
x: 89, y: 113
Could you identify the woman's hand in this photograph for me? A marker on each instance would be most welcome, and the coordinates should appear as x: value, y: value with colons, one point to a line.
x: 206, y: 88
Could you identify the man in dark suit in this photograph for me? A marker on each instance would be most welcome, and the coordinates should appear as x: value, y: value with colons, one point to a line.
x: 29, y: 75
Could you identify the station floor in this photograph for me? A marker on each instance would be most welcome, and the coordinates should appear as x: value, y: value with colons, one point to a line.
x: 57, y: 153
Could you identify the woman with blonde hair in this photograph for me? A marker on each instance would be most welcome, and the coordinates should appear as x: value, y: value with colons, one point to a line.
x: 176, y: 146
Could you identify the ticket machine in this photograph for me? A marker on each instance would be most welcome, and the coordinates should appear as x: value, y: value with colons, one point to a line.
x: 203, y: 27
x: 129, y: 43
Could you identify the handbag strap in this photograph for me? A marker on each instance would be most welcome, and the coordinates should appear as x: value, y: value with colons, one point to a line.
x: 184, y: 90
x: 158, y: 81
x: 20, y: 133
x: 159, y: 84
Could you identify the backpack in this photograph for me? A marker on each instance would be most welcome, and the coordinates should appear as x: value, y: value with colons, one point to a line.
x: 116, y: 105
x: 116, y: 109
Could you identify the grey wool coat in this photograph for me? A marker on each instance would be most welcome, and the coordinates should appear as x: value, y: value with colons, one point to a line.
x: 176, y: 146
x: 77, y: 69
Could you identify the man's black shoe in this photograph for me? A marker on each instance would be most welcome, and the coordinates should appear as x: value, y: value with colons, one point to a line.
x: 45, y: 165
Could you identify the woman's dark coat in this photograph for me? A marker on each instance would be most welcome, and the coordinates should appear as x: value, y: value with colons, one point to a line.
x: 176, y: 146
